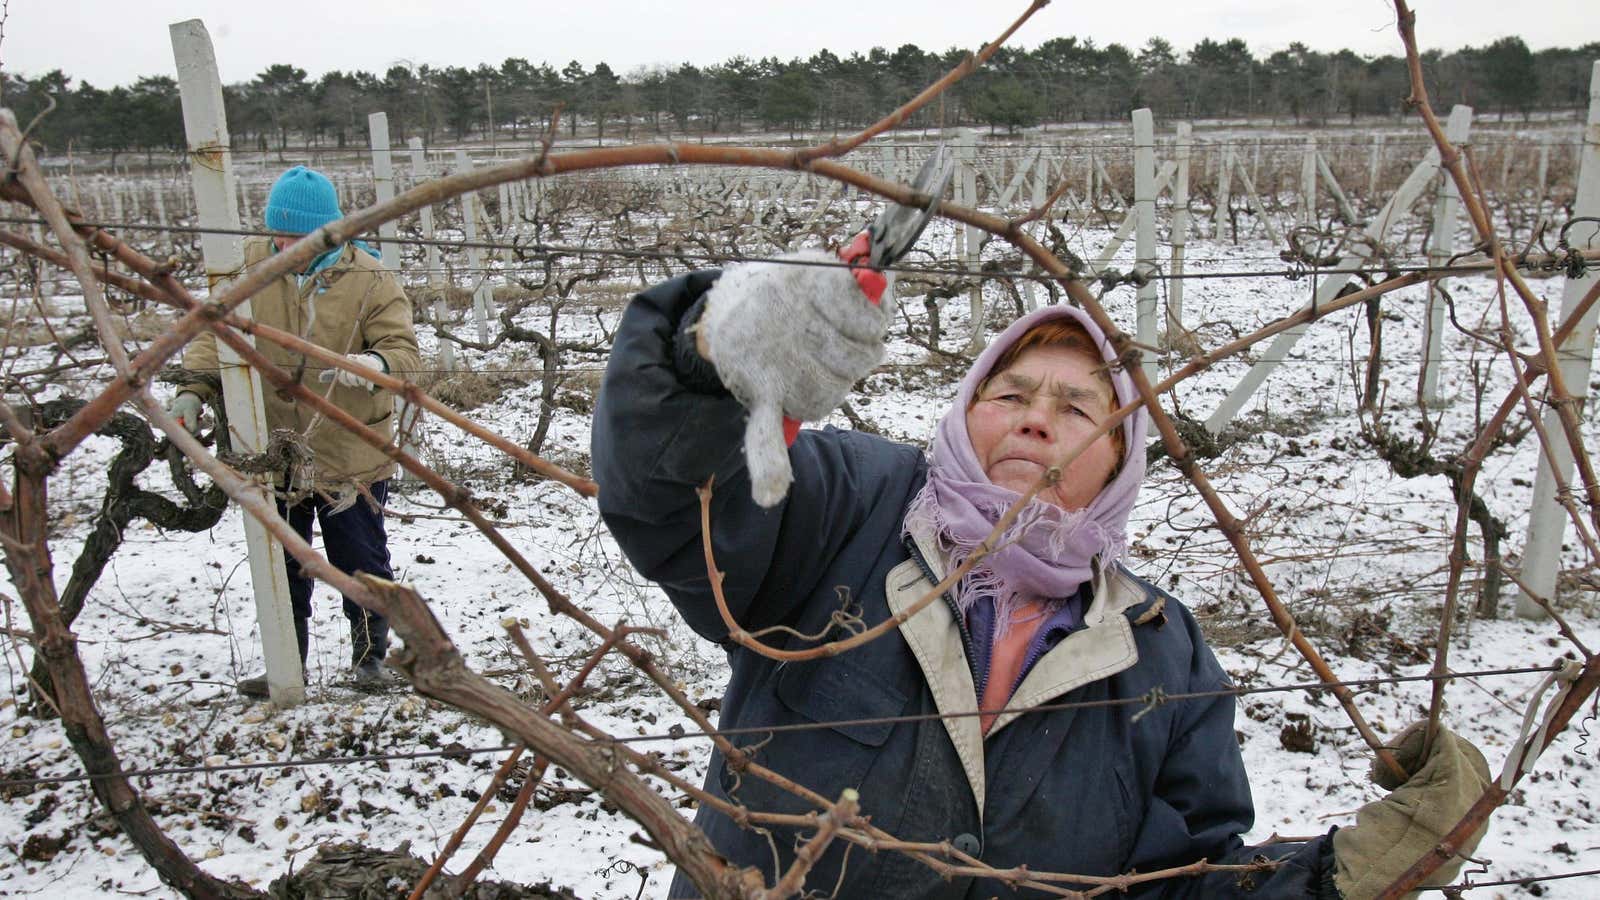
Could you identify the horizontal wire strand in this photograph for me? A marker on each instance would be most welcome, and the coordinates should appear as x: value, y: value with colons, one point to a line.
x: 1149, y: 701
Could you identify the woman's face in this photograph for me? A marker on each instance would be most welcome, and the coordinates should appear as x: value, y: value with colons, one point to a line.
x: 1030, y: 415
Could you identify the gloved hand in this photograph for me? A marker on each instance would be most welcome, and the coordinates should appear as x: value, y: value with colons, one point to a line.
x: 1393, y: 833
x: 350, y: 379
x: 788, y: 341
x: 186, y: 407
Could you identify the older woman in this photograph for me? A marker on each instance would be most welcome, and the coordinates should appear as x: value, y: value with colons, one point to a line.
x: 1083, y: 785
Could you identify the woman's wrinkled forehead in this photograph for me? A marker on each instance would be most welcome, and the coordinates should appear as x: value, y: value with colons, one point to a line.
x: 1062, y: 327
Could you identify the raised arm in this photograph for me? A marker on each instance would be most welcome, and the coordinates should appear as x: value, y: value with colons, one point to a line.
x: 665, y: 424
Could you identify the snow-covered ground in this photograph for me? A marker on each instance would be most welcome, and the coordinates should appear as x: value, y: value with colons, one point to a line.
x: 1358, y: 552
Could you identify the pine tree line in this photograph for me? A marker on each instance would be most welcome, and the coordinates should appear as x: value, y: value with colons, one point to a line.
x: 1062, y: 80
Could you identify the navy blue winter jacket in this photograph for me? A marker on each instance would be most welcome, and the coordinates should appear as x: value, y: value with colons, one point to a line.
x: 1086, y: 789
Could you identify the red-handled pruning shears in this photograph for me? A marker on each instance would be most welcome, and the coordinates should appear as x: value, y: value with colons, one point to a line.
x: 897, y: 228
x: 888, y: 238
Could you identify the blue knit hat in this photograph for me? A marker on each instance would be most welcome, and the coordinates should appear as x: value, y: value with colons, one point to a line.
x: 302, y: 200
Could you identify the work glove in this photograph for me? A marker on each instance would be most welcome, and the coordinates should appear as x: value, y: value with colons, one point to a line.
x: 1393, y: 833
x: 789, y: 341
x: 352, y: 379
x: 186, y: 407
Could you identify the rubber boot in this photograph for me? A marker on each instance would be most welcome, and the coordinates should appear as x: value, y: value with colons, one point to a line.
x: 256, y: 686
x: 369, y: 643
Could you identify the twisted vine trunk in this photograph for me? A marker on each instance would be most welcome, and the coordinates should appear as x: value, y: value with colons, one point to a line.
x: 23, y: 532
x: 123, y: 502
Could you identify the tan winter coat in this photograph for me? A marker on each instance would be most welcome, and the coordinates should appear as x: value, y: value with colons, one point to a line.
x: 353, y: 306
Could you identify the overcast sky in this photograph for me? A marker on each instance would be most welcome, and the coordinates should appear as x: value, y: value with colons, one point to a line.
x: 110, y: 42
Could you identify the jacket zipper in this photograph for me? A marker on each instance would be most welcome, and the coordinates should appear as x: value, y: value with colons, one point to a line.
x: 955, y: 611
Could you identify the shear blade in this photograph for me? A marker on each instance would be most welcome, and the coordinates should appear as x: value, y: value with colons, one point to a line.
x: 897, y: 228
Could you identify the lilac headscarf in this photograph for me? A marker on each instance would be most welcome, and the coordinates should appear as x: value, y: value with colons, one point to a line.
x: 1046, y: 553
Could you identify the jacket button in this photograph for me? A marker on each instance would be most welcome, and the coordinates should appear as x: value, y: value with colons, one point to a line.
x: 967, y: 843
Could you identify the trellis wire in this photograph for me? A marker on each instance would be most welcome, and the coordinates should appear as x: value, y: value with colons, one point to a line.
x: 629, y: 253
x: 1150, y: 701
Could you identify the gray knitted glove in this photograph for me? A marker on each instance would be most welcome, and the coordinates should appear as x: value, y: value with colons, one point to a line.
x: 789, y: 340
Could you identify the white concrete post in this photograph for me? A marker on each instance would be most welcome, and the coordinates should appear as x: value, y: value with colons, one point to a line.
x: 1089, y: 195
x: 1255, y: 203
x: 483, y: 295
x: 383, y: 186
x: 1373, y: 166
x: 1326, y: 171
x: 1130, y: 221
x: 1106, y: 184
x: 1144, y: 205
x: 503, y: 208
x: 166, y: 239
x: 1544, y: 169
x: 1547, y: 521
x: 1544, y: 180
x: 1308, y: 184
x: 1013, y: 187
x: 1038, y: 194
x: 44, y: 273
x: 1224, y: 188
x: 419, y: 173
x: 507, y: 229
x: 206, y: 127
x: 1180, y: 228
x: 1441, y: 246
x: 388, y: 233
x: 968, y: 176
x: 1326, y: 291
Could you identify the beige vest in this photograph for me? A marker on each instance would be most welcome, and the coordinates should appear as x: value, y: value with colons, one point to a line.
x: 1102, y: 648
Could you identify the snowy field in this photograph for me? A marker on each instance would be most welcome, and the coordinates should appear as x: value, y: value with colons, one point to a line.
x: 1358, y: 552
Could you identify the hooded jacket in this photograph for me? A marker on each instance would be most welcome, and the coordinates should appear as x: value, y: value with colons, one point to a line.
x: 349, y: 304
x: 1090, y: 787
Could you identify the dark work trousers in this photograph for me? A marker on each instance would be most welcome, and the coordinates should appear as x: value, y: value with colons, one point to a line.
x: 354, y: 541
